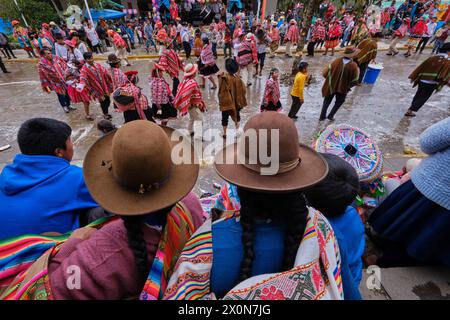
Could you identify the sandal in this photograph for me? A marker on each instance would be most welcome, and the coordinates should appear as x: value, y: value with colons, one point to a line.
x: 89, y: 117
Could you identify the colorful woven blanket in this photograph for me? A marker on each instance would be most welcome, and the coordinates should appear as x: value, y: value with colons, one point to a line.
x: 19, y: 254
x: 178, y: 230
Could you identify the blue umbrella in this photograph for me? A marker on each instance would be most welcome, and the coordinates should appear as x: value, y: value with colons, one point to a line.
x: 5, y: 26
x: 107, y: 14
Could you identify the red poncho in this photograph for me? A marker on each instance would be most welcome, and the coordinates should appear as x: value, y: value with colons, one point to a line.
x: 188, y: 94
x: 171, y: 62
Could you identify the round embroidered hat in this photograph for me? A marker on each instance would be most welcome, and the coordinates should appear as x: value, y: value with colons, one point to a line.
x: 354, y: 146
x: 130, y: 171
x: 269, y: 158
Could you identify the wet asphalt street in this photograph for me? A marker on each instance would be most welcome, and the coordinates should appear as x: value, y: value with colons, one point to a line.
x: 377, y: 109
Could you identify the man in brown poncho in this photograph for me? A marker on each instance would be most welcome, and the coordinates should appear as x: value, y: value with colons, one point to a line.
x: 368, y: 52
x: 232, y: 94
x: 340, y: 76
x: 432, y: 75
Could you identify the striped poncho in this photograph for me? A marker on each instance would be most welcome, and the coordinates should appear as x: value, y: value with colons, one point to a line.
x: 271, y: 92
x: 96, y: 79
x: 292, y: 35
x: 188, y: 95
x: 52, y: 74
x: 171, y: 62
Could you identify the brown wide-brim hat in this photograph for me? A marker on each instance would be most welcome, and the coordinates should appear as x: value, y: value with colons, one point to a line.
x: 350, y: 52
x: 311, y: 169
x: 116, y: 198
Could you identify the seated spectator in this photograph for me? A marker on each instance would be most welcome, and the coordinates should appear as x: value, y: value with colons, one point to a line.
x: 347, y: 225
x: 268, y: 248
x: 41, y: 191
x: 130, y: 173
x: 412, y: 225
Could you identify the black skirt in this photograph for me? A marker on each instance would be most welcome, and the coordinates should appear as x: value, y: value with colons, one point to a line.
x: 412, y: 226
x: 167, y: 111
x: 131, y: 115
x: 271, y: 106
x: 207, y: 70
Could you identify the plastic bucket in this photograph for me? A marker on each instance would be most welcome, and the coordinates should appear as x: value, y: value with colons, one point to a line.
x: 372, y: 73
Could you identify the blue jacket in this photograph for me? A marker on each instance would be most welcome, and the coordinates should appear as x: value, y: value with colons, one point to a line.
x: 349, y: 231
x: 41, y: 194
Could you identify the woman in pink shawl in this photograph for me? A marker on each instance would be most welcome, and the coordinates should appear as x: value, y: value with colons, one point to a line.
x: 207, y: 64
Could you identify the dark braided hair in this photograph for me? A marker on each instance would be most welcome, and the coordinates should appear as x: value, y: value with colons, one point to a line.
x: 134, y: 226
x: 288, y: 209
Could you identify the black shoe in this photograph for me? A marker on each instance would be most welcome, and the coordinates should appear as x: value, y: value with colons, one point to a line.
x: 331, y: 119
x: 6, y: 71
x: 322, y: 119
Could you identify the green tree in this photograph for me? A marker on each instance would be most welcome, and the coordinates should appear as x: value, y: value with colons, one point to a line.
x: 36, y: 12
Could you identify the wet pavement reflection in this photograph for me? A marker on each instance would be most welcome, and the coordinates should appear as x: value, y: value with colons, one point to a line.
x: 377, y: 109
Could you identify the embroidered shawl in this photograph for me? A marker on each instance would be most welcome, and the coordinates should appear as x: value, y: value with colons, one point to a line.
x: 247, y: 53
x: 207, y: 56
x: 140, y: 102
x: 314, y: 276
x: 271, y: 92
x: 118, y: 78
x: 318, y: 33
x: 161, y: 93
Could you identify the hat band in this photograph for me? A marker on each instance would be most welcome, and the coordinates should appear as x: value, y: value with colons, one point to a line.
x: 155, y: 185
x: 282, y: 168
x: 142, y: 187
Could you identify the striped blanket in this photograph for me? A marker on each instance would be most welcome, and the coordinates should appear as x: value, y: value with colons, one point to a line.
x: 19, y: 254
x: 179, y: 228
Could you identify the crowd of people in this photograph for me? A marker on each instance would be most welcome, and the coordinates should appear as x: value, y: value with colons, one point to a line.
x: 129, y: 219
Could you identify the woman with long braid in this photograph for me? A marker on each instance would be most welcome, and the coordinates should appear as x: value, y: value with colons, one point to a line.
x: 263, y: 242
x: 130, y: 173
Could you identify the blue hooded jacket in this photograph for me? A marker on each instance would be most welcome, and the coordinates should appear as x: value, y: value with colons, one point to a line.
x: 41, y: 194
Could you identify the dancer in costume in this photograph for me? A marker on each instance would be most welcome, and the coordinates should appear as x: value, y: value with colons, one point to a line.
x: 207, y: 64
x: 189, y: 98
x: 98, y: 82
x: 52, y: 70
x: 271, y: 98
x: 340, y: 76
x: 162, y: 97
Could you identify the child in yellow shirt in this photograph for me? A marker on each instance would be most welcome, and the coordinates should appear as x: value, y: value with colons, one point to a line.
x: 298, y: 88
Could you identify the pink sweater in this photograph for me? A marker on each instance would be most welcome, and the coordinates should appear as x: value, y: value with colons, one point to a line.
x: 107, y: 264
